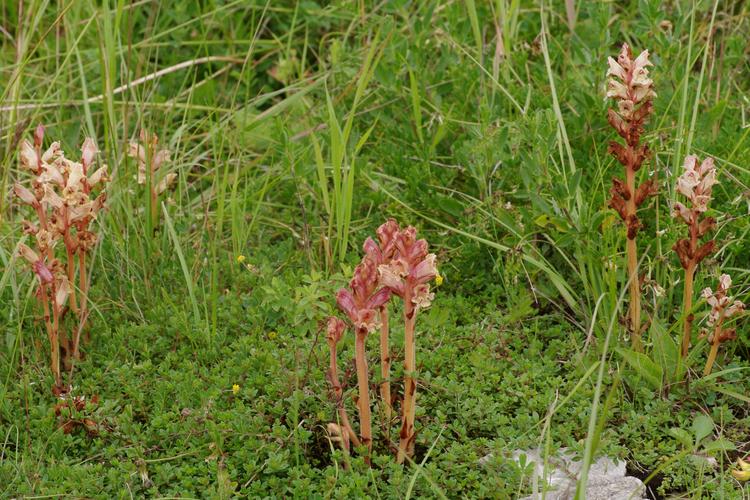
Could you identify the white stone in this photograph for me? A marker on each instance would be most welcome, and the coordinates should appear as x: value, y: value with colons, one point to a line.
x: 606, y: 478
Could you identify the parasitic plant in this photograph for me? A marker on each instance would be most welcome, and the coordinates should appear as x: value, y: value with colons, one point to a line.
x: 361, y: 303
x: 62, y: 197
x: 382, y: 253
x: 150, y: 161
x: 335, y: 332
x: 722, y: 308
x: 397, y: 264
x: 695, y: 183
x: 632, y: 89
x: 407, y: 276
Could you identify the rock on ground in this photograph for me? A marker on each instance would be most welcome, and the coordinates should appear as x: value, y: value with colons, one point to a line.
x: 607, y: 478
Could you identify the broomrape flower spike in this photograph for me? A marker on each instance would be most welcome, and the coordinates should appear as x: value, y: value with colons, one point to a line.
x: 695, y: 184
x: 361, y: 303
x: 397, y: 264
x: 61, y: 196
x: 632, y: 89
x: 150, y: 161
x: 723, y: 307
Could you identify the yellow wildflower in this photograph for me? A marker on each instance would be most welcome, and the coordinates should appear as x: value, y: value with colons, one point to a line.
x: 235, y: 388
x: 240, y: 259
x: 439, y: 279
x: 272, y: 335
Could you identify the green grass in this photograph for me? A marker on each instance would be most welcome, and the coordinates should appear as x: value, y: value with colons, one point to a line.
x: 296, y: 128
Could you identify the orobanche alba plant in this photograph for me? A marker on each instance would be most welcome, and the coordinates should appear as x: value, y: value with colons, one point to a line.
x: 632, y: 89
x: 61, y: 194
x: 397, y: 265
x: 695, y: 184
x: 723, y: 307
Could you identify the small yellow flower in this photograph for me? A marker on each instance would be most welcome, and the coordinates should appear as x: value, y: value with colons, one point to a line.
x: 439, y: 279
x: 240, y: 259
x: 271, y: 335
x: 235, y: 388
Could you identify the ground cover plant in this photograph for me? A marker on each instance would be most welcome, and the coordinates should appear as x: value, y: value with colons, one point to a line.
x: 188, y: 337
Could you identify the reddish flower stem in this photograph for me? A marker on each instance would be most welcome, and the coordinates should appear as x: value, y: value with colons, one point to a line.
x: 83, y: 316
x: 363, y: 403
x: 408, y: 409
x: 632, y: 255
x: 338, y: 393
x: 385, y: 366
x: 714, y: 347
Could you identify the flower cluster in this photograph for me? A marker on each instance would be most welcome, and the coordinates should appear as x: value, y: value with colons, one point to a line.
x: 398, y: 264
x: 633, y: 90
x: 364, y: 297
x: 147, y: 150
x: 695, y: 183
x: 61, y: 193
x: 723, y: 307
x: 151, y: 161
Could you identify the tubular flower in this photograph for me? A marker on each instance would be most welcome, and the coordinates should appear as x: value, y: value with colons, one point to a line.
x: 362, y: 300
x: 722, y: 306
x: 411, y: 267
x: 695, y: 183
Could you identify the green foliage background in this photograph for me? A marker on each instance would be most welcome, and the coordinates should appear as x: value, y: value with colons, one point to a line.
x: 459, y: 125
